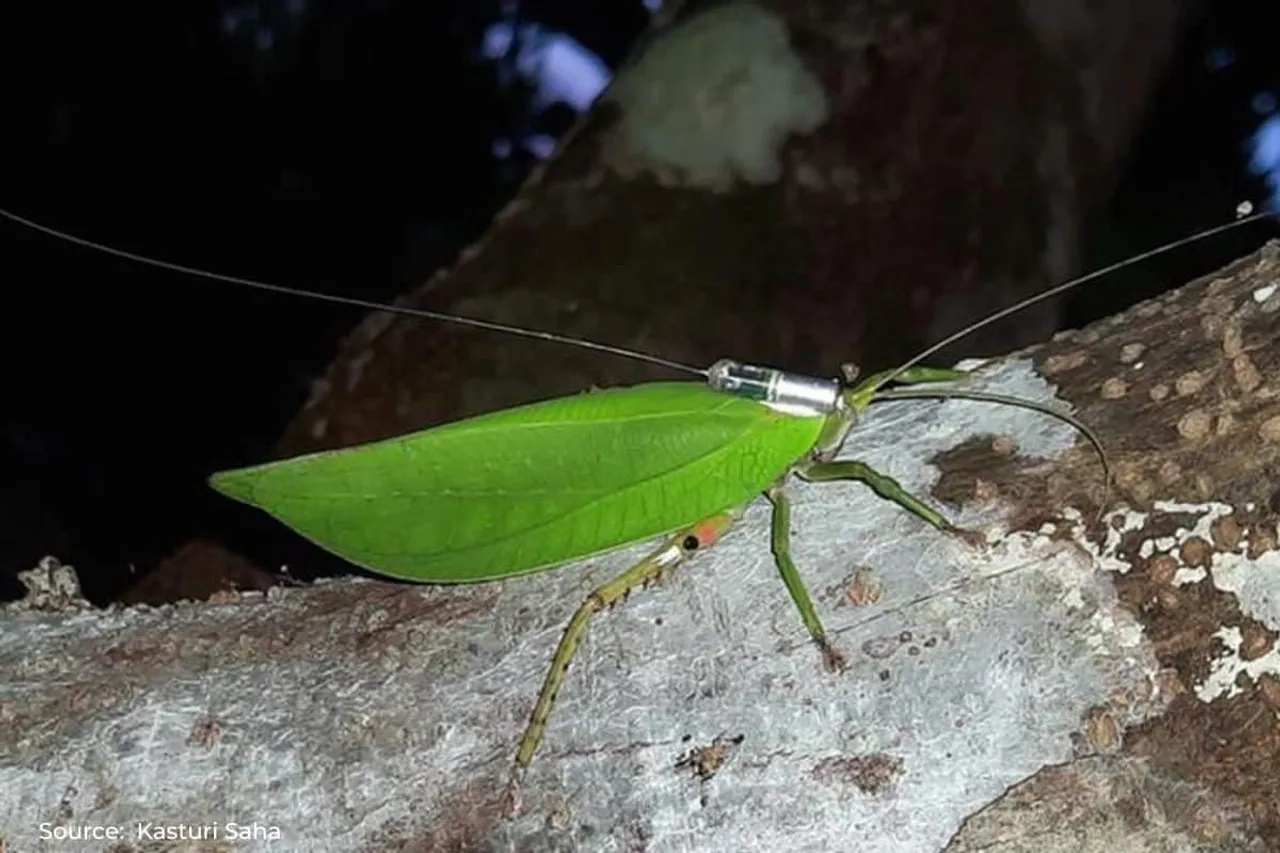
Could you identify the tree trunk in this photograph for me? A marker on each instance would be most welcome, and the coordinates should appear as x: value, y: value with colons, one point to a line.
x: 1059, y: 689
x: 794, y: 183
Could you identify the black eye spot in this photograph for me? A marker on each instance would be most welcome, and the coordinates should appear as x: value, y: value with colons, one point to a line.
x: 690, y: 543
x: 1274, y: 502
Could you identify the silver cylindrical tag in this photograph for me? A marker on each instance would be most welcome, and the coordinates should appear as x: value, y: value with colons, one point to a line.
x: 786, y: 391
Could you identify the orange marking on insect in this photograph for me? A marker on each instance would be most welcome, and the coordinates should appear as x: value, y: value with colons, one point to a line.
x: 711, y: 529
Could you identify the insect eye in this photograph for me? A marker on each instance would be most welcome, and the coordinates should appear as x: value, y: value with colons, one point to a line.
x: 690, y: 543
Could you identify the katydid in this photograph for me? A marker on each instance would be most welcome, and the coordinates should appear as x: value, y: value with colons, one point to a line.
x: 533, y: 487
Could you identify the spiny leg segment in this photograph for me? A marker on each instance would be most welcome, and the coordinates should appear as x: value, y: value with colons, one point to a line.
x: 674, y: 551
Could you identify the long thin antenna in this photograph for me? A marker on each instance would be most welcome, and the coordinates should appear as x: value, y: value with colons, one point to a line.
x: 596, y: 346
x: 922, y: 393
x: 1064, y: 287
x: 352, y: 301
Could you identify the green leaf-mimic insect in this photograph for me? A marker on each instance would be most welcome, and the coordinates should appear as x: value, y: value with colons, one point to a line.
x: 530, y: 488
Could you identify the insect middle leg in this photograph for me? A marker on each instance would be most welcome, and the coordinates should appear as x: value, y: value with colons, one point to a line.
x: 881, y: 484
x: 887, y: 488
x: 674, y: 551
x: 780, y: 542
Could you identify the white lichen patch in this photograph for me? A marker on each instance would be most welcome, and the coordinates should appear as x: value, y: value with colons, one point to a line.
x: 1184, y: 576
x: 1118, y: 524
x: 1224, y: 676
x: 1262, y: 294
x: 1255, y: 582
x: 713, y: 100
x: 50, y: 586
x: 1115, y: 627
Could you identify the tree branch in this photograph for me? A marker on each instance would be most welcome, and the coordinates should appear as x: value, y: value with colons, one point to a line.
x: 367, y: 715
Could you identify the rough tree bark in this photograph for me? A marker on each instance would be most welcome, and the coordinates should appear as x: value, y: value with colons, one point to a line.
x: 1064, y: 689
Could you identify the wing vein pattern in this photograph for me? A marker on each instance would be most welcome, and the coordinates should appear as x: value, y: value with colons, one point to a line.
x: 530, y: 487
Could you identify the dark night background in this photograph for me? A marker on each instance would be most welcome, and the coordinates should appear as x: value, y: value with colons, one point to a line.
x: 348, y: 148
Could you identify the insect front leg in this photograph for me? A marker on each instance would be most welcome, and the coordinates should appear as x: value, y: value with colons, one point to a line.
x: 780, y: 542
x: 860, y: 395
x: 673, y: 551
x: 906, y: 377
x: 887, y: 488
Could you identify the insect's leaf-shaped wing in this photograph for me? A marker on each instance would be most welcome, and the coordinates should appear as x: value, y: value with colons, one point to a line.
x: 530, y: 487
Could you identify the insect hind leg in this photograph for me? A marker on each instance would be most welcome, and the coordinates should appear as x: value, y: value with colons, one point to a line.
x: 674, y: 551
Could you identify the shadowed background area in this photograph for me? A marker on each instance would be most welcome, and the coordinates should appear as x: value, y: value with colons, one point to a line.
x: 356, y: 149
